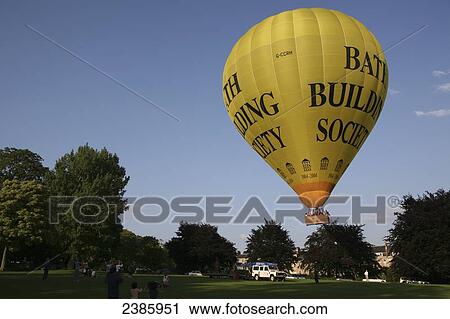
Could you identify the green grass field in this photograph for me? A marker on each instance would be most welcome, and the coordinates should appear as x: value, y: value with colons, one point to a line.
x: 60, y: 284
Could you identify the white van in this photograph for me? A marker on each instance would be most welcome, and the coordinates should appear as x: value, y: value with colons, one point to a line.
x: 267, y: 271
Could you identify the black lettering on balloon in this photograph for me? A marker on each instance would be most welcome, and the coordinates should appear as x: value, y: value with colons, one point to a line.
x: 317, y: 92
x: 351, y: 54
x: 322, y: 129
x: 332, y: 93
x: 231, y: 88
x: 274, y: 107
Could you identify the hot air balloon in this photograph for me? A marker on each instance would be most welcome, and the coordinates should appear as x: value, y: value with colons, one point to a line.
x: 305, y: 88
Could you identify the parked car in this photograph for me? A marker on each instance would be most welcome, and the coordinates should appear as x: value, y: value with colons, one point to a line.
x: 262, y: 270
x: 195, y: 273
x: 295, y: 276
x: 143, y: 270
x: 409, y: 281
x: 244, y: 274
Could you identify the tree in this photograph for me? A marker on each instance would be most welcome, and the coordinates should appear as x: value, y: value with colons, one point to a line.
x: 20, y: 165
x: 142, y: 251
x: 271, y: 243
x: 420, y: 239
x: 340, y: 251
x: 153, y: 254
x: 23, y: 214
x: 90, y: 228
x: 200, y: 247
x: 128, y: 248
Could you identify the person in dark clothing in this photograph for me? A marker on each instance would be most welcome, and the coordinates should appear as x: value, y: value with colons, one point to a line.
x: 131, y: 270
x: 153, y: 289
x: 45, y: 268
x: 76, y: 273
x: 316, y: 276
x: 113, y: 279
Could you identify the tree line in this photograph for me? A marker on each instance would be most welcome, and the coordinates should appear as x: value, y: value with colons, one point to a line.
x: 34, y: 228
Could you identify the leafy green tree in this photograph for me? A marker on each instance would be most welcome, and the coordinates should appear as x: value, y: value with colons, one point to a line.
x: 23, y: 214
x: 90, y: 228
x: 420, y: 238
x: 200, y: 247
x: 271, y: 243
x: 20, y: 165
x: 153, y: 254
x: 142, y: 251
x: 339, y: 251
x: 129, y: 248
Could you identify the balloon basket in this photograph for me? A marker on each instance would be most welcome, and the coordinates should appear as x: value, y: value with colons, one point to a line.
x: 319, y: 218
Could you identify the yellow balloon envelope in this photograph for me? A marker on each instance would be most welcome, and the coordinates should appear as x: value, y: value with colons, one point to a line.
x: 305, y: 88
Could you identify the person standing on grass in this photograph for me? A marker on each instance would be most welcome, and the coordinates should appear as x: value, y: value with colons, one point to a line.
x: 131, y: 270
x: 45, y: 268
x: 135, y: 291
x: 76, y: 273
x: 153, y: 289
x: 165, y: 281
x: 113, y: 280
x: 316, y: 276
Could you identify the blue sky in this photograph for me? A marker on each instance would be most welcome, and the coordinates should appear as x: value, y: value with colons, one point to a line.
x: 173, y: 53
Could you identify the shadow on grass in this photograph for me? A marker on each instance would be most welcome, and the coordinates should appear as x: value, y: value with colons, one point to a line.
x: 61, y: 284
x: 307, y: 289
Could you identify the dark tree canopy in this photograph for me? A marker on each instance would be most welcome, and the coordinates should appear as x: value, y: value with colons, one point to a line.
x: 420, y: 238
x: 20, y: 164
x: 142, y: 251
x: 271, y: 243
x: 339, y: 251
x: 89, y: 174
x: 128, y: 248
x: 23, y: 213
x: 200, y: 247
x: 23, y: 187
